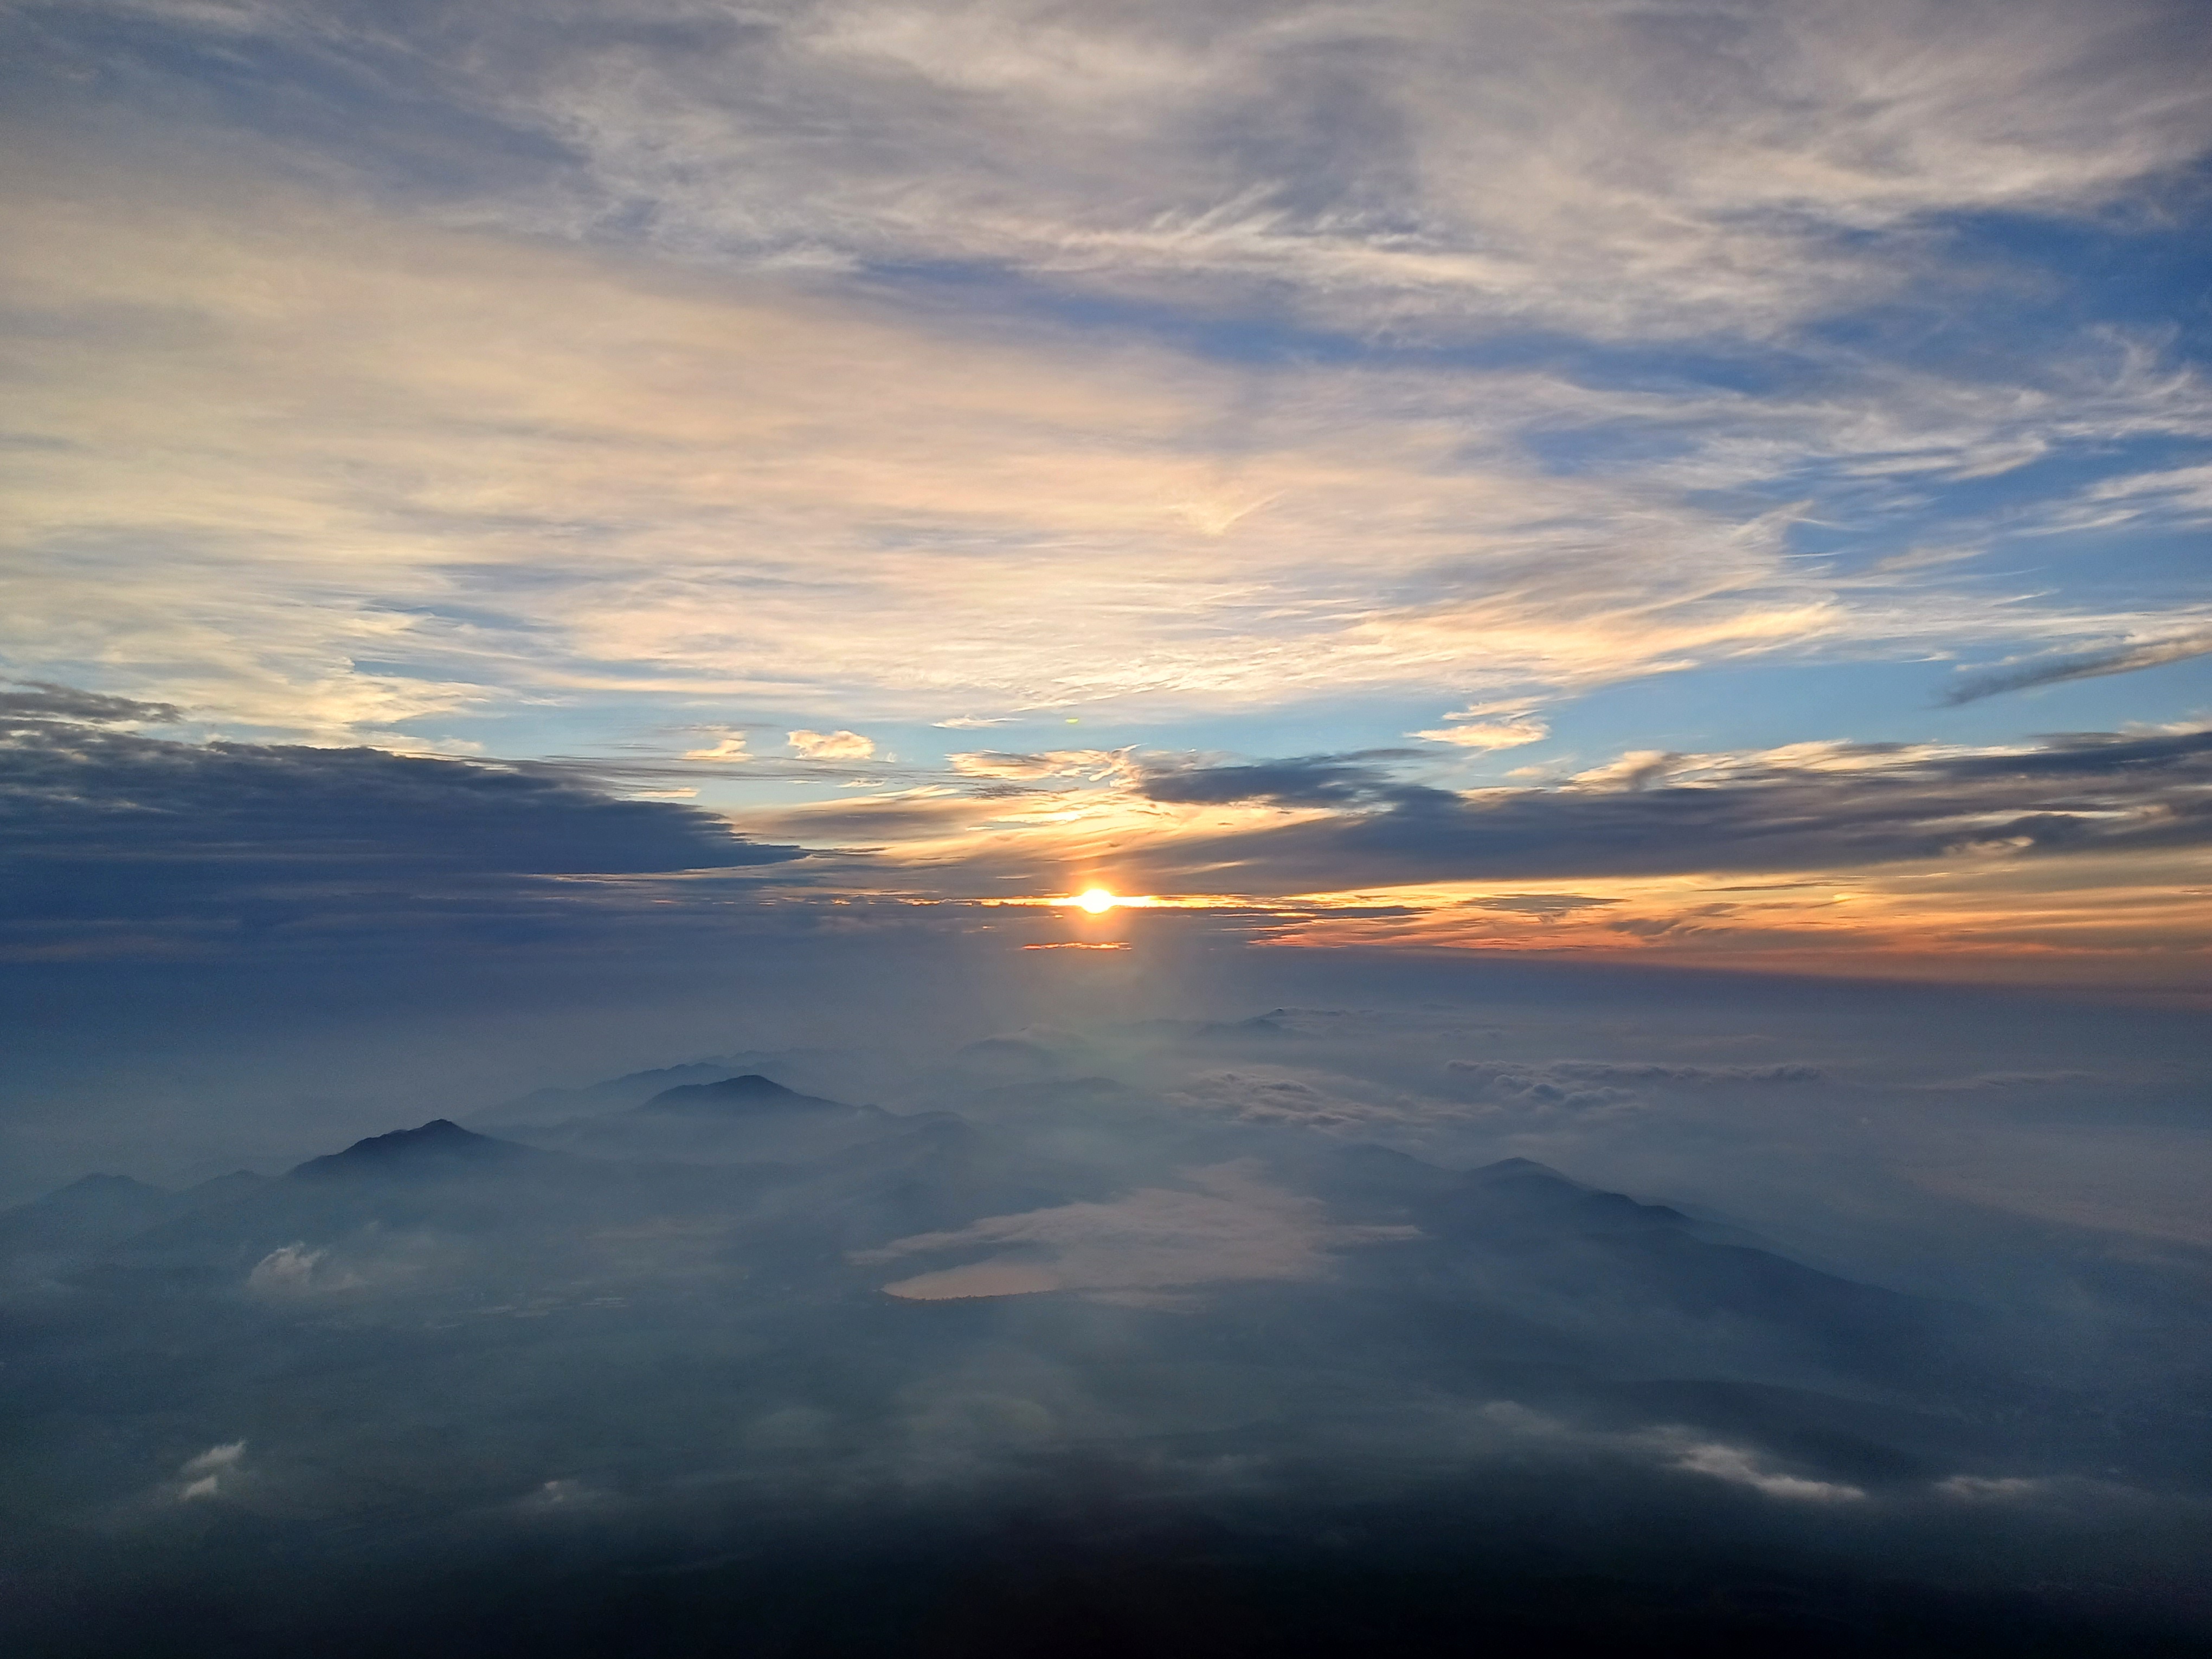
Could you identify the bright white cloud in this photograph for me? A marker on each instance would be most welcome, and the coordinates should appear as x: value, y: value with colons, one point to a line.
x: 287, y: 1271
x: 1684, y: 1449
x: 1740, y: 1466
x: 1489, y: 735
x: 212, y: 1473
x: 215, y: 1458
x: 832, y: 745
x: 730, y: 746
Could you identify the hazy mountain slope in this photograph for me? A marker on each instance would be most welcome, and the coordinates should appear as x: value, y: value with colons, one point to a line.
x: 614, y: 1094
x: 449, y: 1336
x: 736, y: 1119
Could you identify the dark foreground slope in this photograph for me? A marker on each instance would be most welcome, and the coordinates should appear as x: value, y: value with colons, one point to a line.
x: 1047, y: 1583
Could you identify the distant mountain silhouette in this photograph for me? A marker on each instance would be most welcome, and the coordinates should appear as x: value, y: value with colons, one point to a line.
x: 751, y: 1096
x: 1513, y: 1246
x: 1521, y: 1236
x: 711, y: 1289
x: 96, y: 1209
x: 227, y: 1188
x: 440, y: 1146
x: 619, y: 1094
x: 92, y: 1215
x: 749, y: 1118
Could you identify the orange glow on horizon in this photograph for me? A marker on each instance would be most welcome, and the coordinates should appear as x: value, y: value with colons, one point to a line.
x: 1094, y: 900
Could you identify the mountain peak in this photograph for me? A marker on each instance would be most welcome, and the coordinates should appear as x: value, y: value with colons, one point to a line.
x: 1509, y: 1167
x: 438, y: 1144
x: 751, y: 1095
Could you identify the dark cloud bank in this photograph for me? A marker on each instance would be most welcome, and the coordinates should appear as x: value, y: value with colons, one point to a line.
x: 109, y: 833
x: 1863, y: 804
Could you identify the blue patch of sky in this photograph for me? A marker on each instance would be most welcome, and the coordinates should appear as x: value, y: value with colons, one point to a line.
x: 2003, y: 282
x: 449, y: 614
x: 2006, y: 295
x: 1608, y: 446
x: 2145, y: 273
x: 2132, y: 575
x: 2154, y: 568
x: 1856, y: 520
x: 2028, y: 487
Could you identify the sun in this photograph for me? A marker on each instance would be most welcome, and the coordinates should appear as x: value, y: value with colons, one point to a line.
x: 1097, y: 899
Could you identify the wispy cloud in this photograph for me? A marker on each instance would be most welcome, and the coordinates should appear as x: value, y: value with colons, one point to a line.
x: 1087, y: 764
x: 730, y: 746
x: 1382, y: 160
x: 2057, y: 671
x: 37, y: 701
x: 212, y: 1473
x: 1742, y: 1466
x: 1511, y: 734
x: 404, y: 499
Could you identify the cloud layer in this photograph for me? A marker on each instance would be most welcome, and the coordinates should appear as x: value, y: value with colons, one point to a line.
x: 1818, y: 806
x: 951, y: 363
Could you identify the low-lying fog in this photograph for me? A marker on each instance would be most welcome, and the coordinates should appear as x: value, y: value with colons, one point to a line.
x: 1806, y: 1315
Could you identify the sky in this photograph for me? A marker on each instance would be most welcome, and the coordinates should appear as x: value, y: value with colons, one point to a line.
x: 1716, y: 484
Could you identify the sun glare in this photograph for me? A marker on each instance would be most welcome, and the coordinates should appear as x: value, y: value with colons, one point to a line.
x: 1097, y: 899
